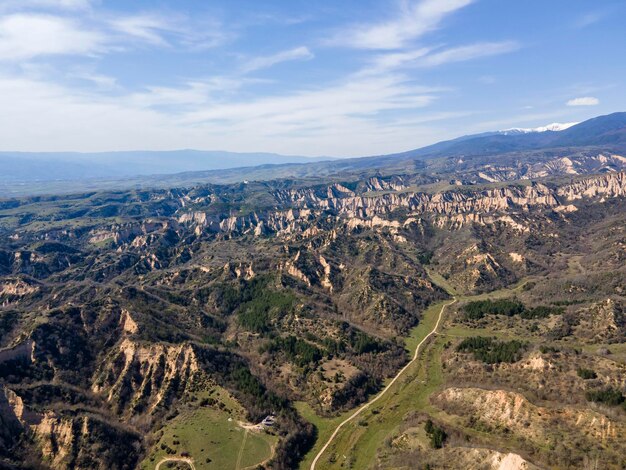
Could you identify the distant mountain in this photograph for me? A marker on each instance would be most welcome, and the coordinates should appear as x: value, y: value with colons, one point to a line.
x: 603, y: 130
x: 554, y: 127
x: 30, y: 174
x: 28, y: 167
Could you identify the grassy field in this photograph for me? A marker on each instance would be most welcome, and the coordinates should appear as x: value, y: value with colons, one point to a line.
x: 324, y: 426
x: 212, y: 438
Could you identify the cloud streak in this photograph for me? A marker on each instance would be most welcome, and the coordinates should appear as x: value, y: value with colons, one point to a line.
x: 583, y: 101
x: 258, y: 63
x: 467, y: 52
x: 413, y: 21
x: 434, y: 57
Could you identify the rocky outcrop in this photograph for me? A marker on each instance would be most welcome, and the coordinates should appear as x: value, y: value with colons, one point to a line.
x: 139, y: 377
x: 72, y: 441
x: 450, y: 209
x: 311, y: 269
x: 606, y: 186
x: 502, y: 409
x: 239, y: 270
x: 602, y: 322
x: 127, y: 323
x: 128, y: 232
x: 475, y: 458
x: 532, y: 167
x: 15, y: 288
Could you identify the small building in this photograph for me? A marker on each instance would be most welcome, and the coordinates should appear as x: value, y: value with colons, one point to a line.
x: 269, y: 420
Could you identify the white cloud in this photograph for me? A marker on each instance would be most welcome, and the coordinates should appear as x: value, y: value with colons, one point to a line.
x: 12, y: 5
x: 426, y: 57
x: 99, y: 80
x: 583, y: 101
x: 391, y: 61
x: 298, y: 53
x: 469, y: 52
x: 24, y: 36
x: 145, y: 27
x: 414, y: 20
x: 63, y: 4
x: 173, y: 30
x: 84, y: 107
x: 345, y: 118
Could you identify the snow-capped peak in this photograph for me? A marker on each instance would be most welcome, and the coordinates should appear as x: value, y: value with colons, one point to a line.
x: 554, y: 127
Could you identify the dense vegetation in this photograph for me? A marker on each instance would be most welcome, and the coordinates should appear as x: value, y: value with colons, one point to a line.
x: 492, y: 351
x: 259, y: 304
x: 509, y: 307
x: 607, y: 396
x: 296, y: 350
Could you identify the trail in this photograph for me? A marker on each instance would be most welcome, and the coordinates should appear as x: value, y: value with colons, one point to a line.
x: 175, y: 459
x: 243, y: 444
x: 385, y: 390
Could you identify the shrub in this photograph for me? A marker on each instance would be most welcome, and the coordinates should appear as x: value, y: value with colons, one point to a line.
x: 363, y: 343
x: 541, y: 312
x: 586, y: 374
x: 491, y: 351
x: 608, y: 396
x: 437, y: 435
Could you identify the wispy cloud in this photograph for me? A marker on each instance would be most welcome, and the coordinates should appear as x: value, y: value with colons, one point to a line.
x: 414, y: 19
x: 383, y: 62
x: 344, y: 118
x: 27, y: 35
x: 89, y: 75
x: 159, y: 29
x: 24, y: 36
x: 357, y: 97
x: 148, y: 28
x: 433, y: 57
x: 69, y: 5
x: 589, y: 18
x: 468, y: 52
x: 583, y: 101
x: 298, y: 53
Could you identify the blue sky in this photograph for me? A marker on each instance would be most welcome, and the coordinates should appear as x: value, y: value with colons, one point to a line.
x: 342, y: 78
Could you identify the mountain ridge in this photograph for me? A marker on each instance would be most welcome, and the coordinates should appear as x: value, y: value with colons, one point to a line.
x: 598, y: 136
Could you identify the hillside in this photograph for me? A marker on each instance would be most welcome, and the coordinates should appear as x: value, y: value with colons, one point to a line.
x: 227, y: 303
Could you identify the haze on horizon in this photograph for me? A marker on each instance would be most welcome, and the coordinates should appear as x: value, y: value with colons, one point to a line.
x: 358, y: 78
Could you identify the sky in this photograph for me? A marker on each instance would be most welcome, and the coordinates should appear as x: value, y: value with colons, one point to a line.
x: 322, y: 78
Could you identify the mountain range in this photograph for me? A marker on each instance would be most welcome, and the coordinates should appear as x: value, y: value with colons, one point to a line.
x: 50, y: 166
x: 49, y: 173
x: 449, y: 307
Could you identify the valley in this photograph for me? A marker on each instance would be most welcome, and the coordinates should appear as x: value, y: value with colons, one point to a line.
x: 405, y: 315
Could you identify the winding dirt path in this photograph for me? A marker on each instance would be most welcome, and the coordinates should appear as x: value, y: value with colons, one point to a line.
x: 175, y: 459
x: 385, y: 390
